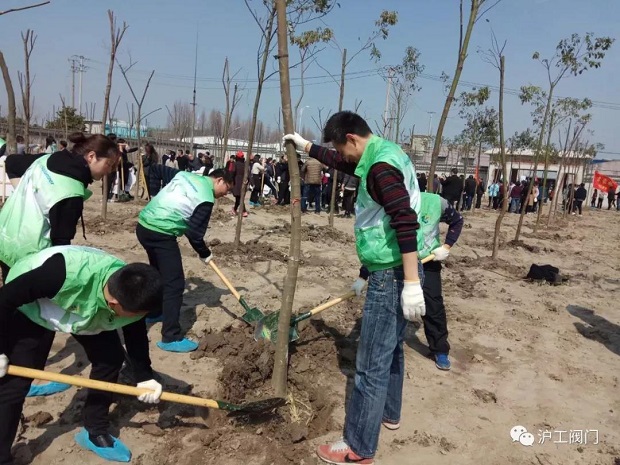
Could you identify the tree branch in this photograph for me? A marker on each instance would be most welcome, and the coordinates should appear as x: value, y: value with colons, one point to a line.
x: 12, y: 10
x: 487, y: 10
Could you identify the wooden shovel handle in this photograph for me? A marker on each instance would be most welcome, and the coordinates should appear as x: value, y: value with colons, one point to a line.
x: 225, y: 280
x: 348, y: 295
x: 105, y: 386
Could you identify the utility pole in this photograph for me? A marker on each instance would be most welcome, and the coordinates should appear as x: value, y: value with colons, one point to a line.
x: 194, y: 98
x: 74, y: 69
x: 386, y: 121
x: 79, y: 68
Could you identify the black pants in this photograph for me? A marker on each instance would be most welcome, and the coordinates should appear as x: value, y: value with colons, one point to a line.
x: 348, y: 201
x: 578, y: 205
x: 478, y: 200
x: 284, y: 195
x: 164, y: 254
x: 238, y: 203
x: 5, y: 271
x: 256, y: 190
x: 29, y: 346
x: 435, y: 321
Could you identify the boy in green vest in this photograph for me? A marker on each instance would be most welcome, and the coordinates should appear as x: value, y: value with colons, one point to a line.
x: 182, y: 207
x: 386, y: 226
x: 89, y: 294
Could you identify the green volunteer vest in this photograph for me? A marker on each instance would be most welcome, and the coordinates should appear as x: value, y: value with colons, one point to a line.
x: 80, y: 306
x: 24, y: 218
x: 375, y: 240
x: 170, y: 210
x: 2, y: 142
x: 429, y: 218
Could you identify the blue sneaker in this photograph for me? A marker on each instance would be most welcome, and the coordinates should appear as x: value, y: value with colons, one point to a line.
x: 155, y: 319
x: 119, y: 452
x: 47, y: 389
x: 442, y: 362
x: 184, y: 345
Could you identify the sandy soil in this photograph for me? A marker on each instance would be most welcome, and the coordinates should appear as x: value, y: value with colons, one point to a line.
x: 544, y: 357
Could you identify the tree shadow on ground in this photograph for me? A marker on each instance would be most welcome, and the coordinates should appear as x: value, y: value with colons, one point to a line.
x: 597, y: 328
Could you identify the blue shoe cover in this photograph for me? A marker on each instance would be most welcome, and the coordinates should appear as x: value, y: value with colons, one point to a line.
x: 155, y: 319
x: 118, y: 453
x: 47, y: 389
x: 184, y: 345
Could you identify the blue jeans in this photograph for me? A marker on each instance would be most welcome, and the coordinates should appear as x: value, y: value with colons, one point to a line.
x: 515, y: 205
x: 312, y: 192
x: 380, y: 365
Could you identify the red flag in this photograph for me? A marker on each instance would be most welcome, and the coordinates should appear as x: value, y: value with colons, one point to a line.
x: 604, y: 183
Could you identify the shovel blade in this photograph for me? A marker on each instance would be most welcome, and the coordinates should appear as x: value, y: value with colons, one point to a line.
x: 257, y: 407
x: 267, y: 328
x: 252, y: 315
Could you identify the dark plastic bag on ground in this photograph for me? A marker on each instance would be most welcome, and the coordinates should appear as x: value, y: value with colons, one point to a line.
x: 548, y: 273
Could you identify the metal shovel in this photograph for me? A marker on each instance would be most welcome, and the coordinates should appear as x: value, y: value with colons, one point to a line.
x: 259, y: 406
x: 252, y: 314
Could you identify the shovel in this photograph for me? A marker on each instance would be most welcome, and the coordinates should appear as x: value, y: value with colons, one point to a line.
x: 267, y: 327
x: 252, y: 314
x: 259, y: 406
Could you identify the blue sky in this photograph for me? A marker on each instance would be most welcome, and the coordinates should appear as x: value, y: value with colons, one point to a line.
x: 162, y: 37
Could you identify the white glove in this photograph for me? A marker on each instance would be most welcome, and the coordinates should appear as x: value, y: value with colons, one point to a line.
x: 300, y: 142
x: 279, y: 180
x: 208, y: 259
x: 441, y: 253
x: 153, y: 396
x: 412, y: 301
x: 4, y: 365
x: 358, y: 286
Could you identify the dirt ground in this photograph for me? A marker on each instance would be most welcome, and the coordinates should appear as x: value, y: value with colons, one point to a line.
x: 543, y: 357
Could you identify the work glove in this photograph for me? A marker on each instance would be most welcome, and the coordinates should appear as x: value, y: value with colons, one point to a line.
x: 300, y: 142
x: 279, y: 180
x: 441, y: 253
x: 208, y: 258
x: 412, y: 300
x: 153, y: 396
x: 358, y: 286
x: 4, y: 365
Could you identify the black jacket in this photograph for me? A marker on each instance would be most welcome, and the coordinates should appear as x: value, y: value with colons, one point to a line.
x: 452, y: 187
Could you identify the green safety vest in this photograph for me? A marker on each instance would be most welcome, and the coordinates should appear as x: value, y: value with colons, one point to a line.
x: 80, y: 306
x: 24, y: 218
x: 375, y: 240
x: 170, y: 210
x: 429, y: 217
x: 2, y: 142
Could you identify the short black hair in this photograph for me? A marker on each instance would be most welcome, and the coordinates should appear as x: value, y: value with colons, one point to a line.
x: 63, y: 143
x: 455, y: 171
x: 225, y: 175
x: 111, y: 136
x: 342, y: 123
x: 138, y: 287
x: 582, y: 185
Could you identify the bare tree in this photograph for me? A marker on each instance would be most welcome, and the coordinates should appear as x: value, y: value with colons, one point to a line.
x: 180, y: 120
x: 25, y: 82
x: 231, y: 104
x: 11, y: 142
x: 139, y: 102
x: 477, y: 11
x: 116, y: 36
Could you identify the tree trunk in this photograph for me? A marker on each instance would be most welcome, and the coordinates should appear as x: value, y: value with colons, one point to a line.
x: 475, y: 5
x: 546, y: 172
x: 541, y: 137
x: 332, y: 200
x: 279, y: 380
x: 502, y: 149
x: 259, y: 89
x: 228, y: 116
x: 11, y: 142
